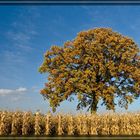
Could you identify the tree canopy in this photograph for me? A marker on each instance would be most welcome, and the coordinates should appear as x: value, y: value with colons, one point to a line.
x: 98, y: 64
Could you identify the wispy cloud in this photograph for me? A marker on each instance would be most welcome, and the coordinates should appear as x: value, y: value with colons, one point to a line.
x: 18, y: 43
x: 20, y: 36
x: 21, y: 40
x: 23, y: 29
x: 18, y: 91
x: 12, y: 57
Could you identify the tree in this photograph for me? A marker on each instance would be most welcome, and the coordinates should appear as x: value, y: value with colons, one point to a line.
x: 97, y: 64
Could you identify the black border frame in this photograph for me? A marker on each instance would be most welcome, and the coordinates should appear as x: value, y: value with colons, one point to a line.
x: 70, y: 2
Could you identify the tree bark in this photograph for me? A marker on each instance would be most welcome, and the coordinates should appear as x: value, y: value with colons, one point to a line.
x: 94, y: 105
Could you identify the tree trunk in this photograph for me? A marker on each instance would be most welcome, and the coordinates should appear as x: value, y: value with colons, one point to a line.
x: 94, y: 105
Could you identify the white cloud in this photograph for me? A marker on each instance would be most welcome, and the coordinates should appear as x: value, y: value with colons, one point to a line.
x: 5, y: 91
x: 20, y: 90
x: 17, y: 95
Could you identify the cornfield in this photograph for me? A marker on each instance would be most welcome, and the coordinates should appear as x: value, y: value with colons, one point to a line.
x: 28, y: 123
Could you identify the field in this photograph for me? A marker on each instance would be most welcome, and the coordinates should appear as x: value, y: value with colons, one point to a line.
x: 37, y: 124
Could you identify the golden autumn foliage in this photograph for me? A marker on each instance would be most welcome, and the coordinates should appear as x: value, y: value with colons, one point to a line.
x: 97, y: 64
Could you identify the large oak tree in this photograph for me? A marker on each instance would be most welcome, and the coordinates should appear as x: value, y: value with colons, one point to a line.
x: 97, y: 64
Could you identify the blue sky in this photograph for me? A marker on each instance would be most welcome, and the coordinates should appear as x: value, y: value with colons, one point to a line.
x: 28, y: 31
